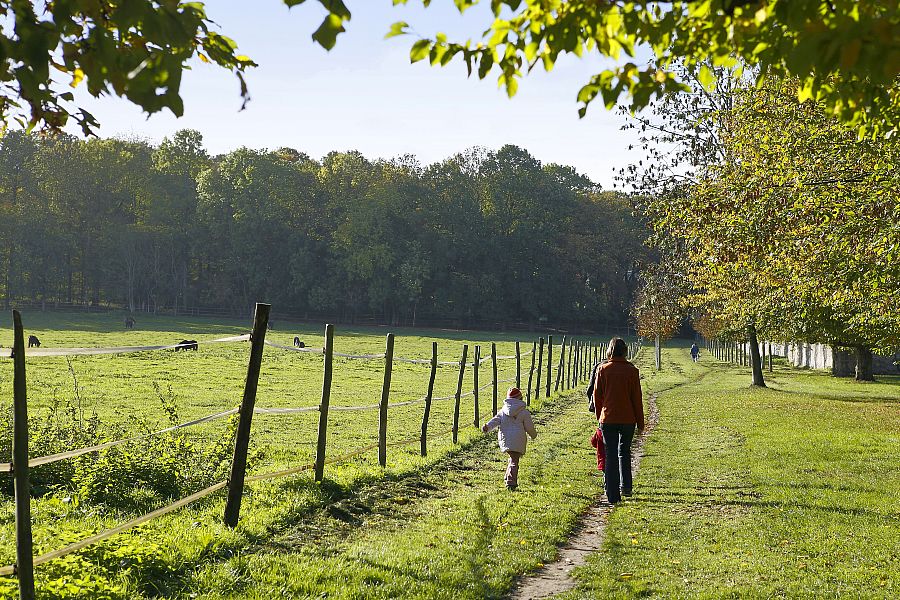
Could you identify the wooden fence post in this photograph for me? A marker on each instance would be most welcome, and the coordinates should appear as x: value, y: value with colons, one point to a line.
x: 518, y: 367
x: 549, y: 361
x: 494, y: 369
x: 576, y: 368
x: 423, y: 441
x: 559, y: 368
x: 21, y: 482
x: 579, y: 372
x: 459, y: 384
x: 573, y: 363
x: 531, y: 374
x: 568, y: 382
x: 385, y: 398
x: 326, y: 399
x: 585, y: 354
x: 540, y: 358
x: 475, y: 391
x: 770, y: 357
x: 576, y: 363
x: 242, y: 438
x: 588, y: 349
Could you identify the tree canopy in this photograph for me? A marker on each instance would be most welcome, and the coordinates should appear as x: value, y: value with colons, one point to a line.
x: 138, y: 50
x: 844, y: 53
x: 484, y: 237
x: 783, y: 221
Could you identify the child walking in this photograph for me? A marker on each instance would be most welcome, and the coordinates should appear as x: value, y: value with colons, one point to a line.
x: 514, y: 421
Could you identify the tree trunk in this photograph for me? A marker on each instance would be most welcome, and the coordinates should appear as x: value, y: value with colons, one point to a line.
x: 842, y: 362
x: 69, y: 278
x: 755, y: 359
x: 657, y: 353
x: 864, y: 364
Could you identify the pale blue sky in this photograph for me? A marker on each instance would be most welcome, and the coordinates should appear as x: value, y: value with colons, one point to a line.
x: 364, y: 94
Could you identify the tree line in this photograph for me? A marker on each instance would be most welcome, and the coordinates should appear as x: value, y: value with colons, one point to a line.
x: 482, y: 236
x: 773, y: 218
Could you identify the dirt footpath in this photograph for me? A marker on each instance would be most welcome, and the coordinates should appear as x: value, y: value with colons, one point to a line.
x: 556, y: 578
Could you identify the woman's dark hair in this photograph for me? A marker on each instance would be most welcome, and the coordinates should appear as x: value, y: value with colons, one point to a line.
x: 617, y: 347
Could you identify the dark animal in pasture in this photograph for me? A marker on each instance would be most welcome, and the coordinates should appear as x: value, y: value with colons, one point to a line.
x: 298, y: 343
x: 129, y: 323
x: 33, y: 341
x: 187, y: 345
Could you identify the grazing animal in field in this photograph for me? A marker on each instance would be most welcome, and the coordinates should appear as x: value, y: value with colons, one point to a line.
x: 33, y: 341
x: 298, y: 343
x: 129, y: 323
x: 187, y: 345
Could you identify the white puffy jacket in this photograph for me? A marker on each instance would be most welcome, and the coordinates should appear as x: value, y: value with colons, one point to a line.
x: 513, y: 420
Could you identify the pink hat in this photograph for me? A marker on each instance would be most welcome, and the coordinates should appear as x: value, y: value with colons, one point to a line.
x: 514, y: 392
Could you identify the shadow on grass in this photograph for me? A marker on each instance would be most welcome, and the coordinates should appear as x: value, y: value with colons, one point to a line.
x: 749, y: 500
x: 839, y: 397
x: 334, y: 511
x: 328, y: 513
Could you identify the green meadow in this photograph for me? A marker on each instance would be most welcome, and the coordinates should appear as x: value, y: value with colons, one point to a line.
x: 791, y: 491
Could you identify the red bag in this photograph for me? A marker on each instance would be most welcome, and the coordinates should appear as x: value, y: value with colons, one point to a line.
x: 597, y: 442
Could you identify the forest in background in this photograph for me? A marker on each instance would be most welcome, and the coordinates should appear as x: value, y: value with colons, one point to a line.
x: 484, y: 236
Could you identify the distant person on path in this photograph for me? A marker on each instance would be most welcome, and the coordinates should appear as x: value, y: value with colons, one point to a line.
x: 695, y: 353
x: 619, y: 407
x: 514, y: 422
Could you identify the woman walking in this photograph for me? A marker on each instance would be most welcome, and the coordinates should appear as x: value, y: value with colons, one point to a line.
x: 619, y: 408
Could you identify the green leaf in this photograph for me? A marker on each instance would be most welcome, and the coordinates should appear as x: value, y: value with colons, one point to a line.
x: 326, y: 34
x: 398, y: 28
x: 707, y: 78
x: 419, y: 50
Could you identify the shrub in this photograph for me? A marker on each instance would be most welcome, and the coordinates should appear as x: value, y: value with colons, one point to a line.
x: 131, y: 476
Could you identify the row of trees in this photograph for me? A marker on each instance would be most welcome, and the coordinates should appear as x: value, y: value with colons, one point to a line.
x: 483, y: 235
x: 783, y: 221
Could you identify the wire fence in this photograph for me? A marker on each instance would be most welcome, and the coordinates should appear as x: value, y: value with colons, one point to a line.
x: 568, y: 372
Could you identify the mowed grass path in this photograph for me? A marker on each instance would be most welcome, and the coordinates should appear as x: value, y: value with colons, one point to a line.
x: 791, y: 491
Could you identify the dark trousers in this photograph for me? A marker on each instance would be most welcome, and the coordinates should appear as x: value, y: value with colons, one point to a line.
x: 512, y: 469
x: 617, y: 477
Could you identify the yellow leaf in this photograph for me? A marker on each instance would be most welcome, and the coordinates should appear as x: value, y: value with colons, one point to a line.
x: 77, y: 76
x: 760, y: 16
x: 203, y: 57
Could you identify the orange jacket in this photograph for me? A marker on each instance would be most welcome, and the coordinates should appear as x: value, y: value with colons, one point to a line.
x: 617, y: 393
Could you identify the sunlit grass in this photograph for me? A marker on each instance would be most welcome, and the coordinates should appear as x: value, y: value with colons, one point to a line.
x: 791, y: 491
x: 120, y: 389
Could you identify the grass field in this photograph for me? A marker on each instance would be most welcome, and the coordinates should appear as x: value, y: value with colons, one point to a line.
x: 793, y: 491
x: 120, y: 391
